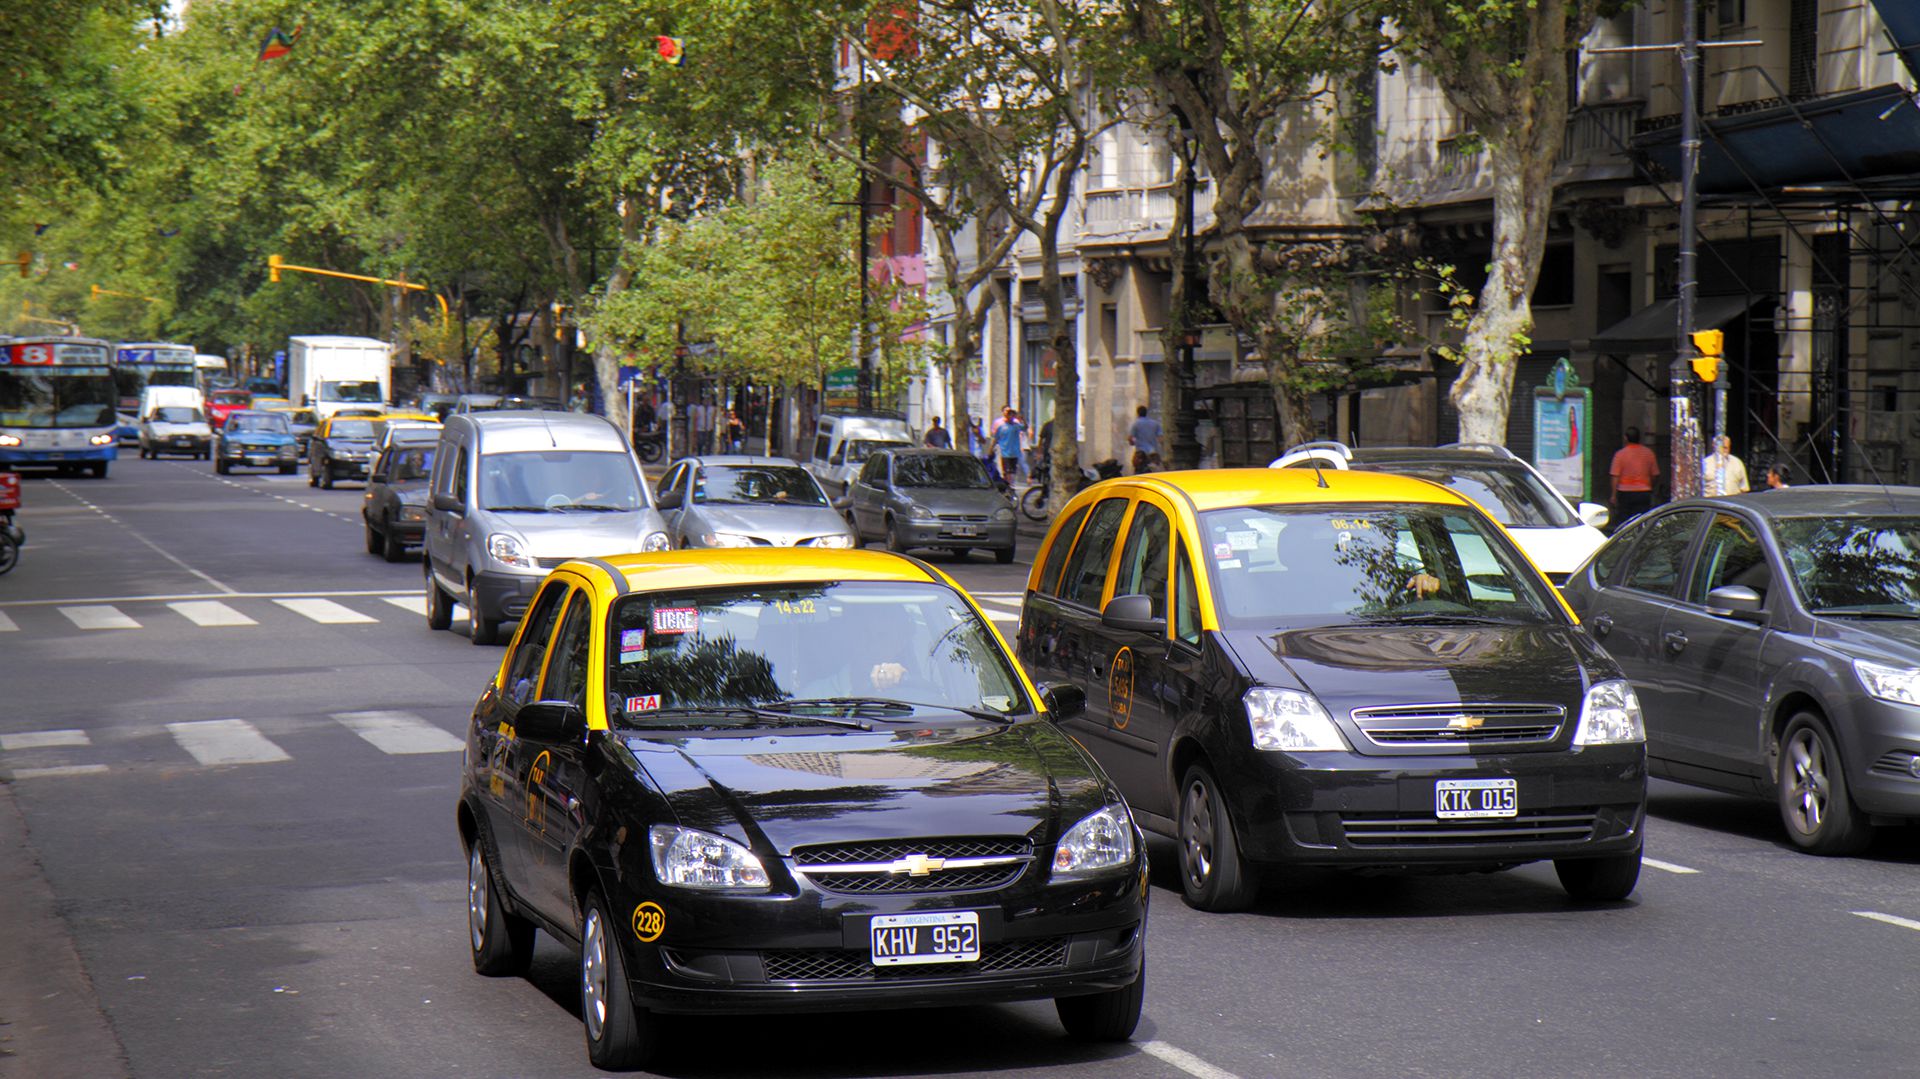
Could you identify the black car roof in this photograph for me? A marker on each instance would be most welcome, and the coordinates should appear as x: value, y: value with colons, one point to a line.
x: 1821, y: 499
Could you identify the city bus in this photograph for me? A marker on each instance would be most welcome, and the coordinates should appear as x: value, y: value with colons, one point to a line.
x: 56, y: 404
x: 139, y: 364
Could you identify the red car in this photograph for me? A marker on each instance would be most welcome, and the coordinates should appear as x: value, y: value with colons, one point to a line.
x: 223, y: 403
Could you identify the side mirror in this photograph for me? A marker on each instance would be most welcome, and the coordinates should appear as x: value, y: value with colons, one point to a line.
x: 668, y: 501
x: 1593, y: 513
x: 1736, y: 601
x: 843, y: 503
x: 550, y: 721
x: 1134, y: 612
x: 880, y: 482
x: 442, y: 500
x: 377, y: 477
x: 1063, y: 700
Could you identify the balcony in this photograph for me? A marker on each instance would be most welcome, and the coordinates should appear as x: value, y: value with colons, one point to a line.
x: 1131, y: 214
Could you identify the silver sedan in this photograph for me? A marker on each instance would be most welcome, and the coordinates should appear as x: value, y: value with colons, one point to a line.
x: 743, y: 501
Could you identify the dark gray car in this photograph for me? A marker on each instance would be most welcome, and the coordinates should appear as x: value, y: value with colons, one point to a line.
x: 394, y: 509
x: 742, y: 501
x: 1774, y: 641
x: 930, y: 498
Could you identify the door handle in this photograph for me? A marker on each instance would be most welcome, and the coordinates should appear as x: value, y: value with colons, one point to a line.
x: 1676, y: 641
x: 1602, y: 625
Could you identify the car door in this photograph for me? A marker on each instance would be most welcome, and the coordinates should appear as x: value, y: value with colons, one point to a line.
x: 1145, y: 680
x: 1068, y: 620
x: 444, y: 526
x: 1720, y: 657
x: 555, y: 774
x: 1627, y: 616
x: 510, y: 810
x: 670, y: 483
x: 869, y: 494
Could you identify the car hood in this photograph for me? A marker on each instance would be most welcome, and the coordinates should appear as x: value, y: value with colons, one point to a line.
x: 955, y: 499
x: 1350, y: 667
x: 780, y: 525
x: 411, y: 492
x: 785, y: 790
x: 167, y: 430
x: 259, y: 438
x: 1558, y: 551
x: 1898, y: 642
x: 578, y: 534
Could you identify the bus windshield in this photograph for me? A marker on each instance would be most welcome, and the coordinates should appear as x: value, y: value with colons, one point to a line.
x: 56, y: 398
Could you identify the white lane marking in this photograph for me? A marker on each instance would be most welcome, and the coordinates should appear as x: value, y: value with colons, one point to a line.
x: 159, y: 550
x: 1890, y: 919
x: 400, y: 733
x: 294, y: 593
x: 324, y: 611
x: 225, y: 741
x: 1185, y: 1061
x: 6, y: 624
x: 211, y: 612
x: 416, y: 604
x: 98, y: 617
x: 1667, y: 867
x: 42, y: 739
x: 61, y: 770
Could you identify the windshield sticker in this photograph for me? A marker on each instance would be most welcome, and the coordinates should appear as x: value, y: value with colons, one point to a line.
x: 1223, y: 551
x: 632, y: 639
x: 647, y: 703
x: 1243, y: 541
x: 1228, y: 563
x: 676, y: 620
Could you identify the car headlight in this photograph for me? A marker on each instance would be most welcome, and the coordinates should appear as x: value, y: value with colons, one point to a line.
x: 656, y: 541
x: 413, y: 513
x: 725, y: 539
x: 1610, y: 716
x: 1901, y: 685
x: 689, y: 858
x: 838, y: 540
x: 9, y: 440
x: 101, y: 440
x: 919, y: 512
x: 1004, y: 513
x: 1100, y: 843
x: 1290, y: 720
x: 507, y: 551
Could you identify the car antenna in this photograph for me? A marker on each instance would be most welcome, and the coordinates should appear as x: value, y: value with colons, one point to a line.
x: 1320, y: 477
x: 548, y: 428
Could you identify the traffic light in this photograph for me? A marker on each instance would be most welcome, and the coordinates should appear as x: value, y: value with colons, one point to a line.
x: 94, y: 290
x: 25, y: 259
x: 1710, y: 344
x: 273, y: 268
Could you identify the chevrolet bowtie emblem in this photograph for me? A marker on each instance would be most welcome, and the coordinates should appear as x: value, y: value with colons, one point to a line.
x: 1465, y: 723
x: 917, y: 865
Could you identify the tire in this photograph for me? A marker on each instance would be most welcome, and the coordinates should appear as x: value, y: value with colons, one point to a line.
x: 480, y: 629
x: 1104, y: 1017
x: 1814, y: 804
x: 439, y: 604
x: 9, y: 552
x: 375, y: 544
x: 1033, y: 503
x: 501, y: 942
x: 326, y: 477
x: 853, y: 526
x: 895, y: 542
x: 220, y: 467
x: 1599, y: 880
x: 619, y: 1036
x: 391, y: 548
x: 1003, y: 555
x: 286, y: 470
x: 650, y: 450
x: 313, y: 478
x: 99, y: 470
x: 1213, y: 875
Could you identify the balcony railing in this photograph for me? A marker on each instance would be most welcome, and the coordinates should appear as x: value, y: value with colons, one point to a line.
x: 1123, y: 212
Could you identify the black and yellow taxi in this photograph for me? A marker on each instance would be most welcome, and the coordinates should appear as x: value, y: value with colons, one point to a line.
x: 1334, y: 668
x: 740, y: 780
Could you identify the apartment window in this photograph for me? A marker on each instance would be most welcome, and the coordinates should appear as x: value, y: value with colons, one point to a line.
x: 1731, y: 13
x: 1803, y: 48
x: 1110, y: 330
x: 1555, y: 286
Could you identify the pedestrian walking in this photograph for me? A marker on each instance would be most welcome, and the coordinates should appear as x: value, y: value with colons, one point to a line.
x: 1144, y: 437
x: 1722, y: 473
x: 1006, y: 443
x: 1777, y: 476
x: 937, y: 436
x: 736, y: 433
x: 1633, y: 471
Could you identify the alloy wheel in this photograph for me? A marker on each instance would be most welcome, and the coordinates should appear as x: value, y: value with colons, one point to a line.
x: 477, y: 911
x: 593, y: 973
x: 1197, y: 845
x: 1810, y: 788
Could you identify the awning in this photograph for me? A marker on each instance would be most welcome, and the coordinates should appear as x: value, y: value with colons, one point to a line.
x: 1902, y: 20
x: 1654, y: 328
x: 1862, y: 136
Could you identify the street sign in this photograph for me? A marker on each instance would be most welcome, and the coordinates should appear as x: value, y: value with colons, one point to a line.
x: 629, y: 373
x: 843, y: 387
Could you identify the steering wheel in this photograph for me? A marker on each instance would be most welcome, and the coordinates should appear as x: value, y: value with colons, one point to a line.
x: 557, y: 501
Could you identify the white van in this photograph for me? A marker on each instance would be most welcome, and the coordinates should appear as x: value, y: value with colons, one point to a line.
x: 843, y: 441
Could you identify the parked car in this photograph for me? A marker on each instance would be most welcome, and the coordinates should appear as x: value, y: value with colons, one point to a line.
x: 394, y: 509
x: 1772, y: 640
x: 222, y: 403
x: 1349, y: 669
x: 1556, y: 535
x: 341, y: 448
x: 942, y: 499
x: 260, y: 439
x: 770, y: 780
x: 842, y: 442
x: 437, y: 405
x: 176, y: 429
x: 743, y: 501
x: 514, y: 495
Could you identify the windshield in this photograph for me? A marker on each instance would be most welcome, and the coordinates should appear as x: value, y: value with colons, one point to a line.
x: 559, y: 479
x: 367, y: 393
x: 1513, y: 496
x: 72, y: 398
x: 178, y: 415
x: 351, y: 429
x: 231, y: 397
x: 1854, y: 565
x: 780, y: 645
x: 940, y: 470
x: 1286, y: 566
x: 860, y: 449
x: 410, y: 464
x: 265, y: 423
x: 784, y: 485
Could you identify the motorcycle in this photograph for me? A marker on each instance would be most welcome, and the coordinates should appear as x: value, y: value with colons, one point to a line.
x: 651, y: 444
x: 12, y: 536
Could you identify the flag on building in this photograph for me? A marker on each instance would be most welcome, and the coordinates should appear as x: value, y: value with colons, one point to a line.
x: 279, y: 43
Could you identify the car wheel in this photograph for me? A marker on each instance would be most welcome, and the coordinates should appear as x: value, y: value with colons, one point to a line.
x: 1819, y: 813
x: 1104, y: 1017
x: 220, y: 467
x: 480, y: 629
x: 1003, y: 555
x: 326, y: 477
x: 374, y: 543
x: 392, y: 549
x: 853, y: 529
x: 9, y: 552
x: 286, y: 470
x: 502, y: 942
x: 313, y: 478
x: 1212, y: 873
x: 439, y: 603
x: 99, y: 470
x: 1599, y: 880
x: 895, y: 541
x: 618, y: 1034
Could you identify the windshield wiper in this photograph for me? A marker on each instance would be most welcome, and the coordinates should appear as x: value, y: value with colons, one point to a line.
x: 517, y: 509
x: 1852, y: 612
x: 862, y: 705
x: 593, y: 507
x: 785, y: 719
x: 1447, y: 617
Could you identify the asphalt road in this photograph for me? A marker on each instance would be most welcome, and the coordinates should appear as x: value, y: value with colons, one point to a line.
x: 228, y: 753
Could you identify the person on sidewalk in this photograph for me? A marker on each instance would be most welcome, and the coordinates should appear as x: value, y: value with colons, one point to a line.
x: 1777, y: 476
x: 1006, y: 443
x: 1144, y: 437
x: 1722, y: 473
x: 1634, y: 470
x: 937, y: 437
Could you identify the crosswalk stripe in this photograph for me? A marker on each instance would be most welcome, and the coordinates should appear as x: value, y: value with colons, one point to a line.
x: 212, y: 612
x: 225, y: 741
x: 1002, y: 604
x: 1002, y: 616
x: 400, y: 733
x: 324, y: 611
x: 43, y: 739
x: 98, y: 616
x: 416, y: 604
x: 6, y: 624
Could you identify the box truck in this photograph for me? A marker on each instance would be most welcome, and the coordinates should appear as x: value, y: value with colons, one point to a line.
x: 327, y: 374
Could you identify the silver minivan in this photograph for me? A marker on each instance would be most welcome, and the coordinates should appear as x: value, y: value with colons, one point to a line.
x: 514, y: 494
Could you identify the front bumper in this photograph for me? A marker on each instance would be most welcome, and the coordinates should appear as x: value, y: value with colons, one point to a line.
x: 503, y: 597
x: 347, y: 466
x: 953, y: 534
x: 22, y: 456
x: 1350, y: 809
x: 1884, y: 744
x: 194, y: 444
x: 258, y: 456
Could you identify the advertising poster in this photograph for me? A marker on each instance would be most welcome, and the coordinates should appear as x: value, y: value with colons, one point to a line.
x: 1562, y: 441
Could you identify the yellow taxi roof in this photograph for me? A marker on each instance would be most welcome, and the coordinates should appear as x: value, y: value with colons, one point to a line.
x: 389, y: 417
x: 1221, y: 488
x: 760, y: 565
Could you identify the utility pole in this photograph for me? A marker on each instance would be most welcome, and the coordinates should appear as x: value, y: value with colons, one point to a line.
x: 1183, y: 448
x: 865, y: 377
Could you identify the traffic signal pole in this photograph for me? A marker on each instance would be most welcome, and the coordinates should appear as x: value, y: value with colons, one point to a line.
x: 1685, y: 432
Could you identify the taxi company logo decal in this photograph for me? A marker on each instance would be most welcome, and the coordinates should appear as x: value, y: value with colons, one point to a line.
x: 1120, y: 687
x: 649, y: 921
x: 537, y: 806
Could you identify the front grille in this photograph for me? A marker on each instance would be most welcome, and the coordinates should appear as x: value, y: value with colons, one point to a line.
x: 865, y: 874
x: 887, y: 850
x: 841, y: 965
x: 1395, y: 830
x: 963, y: 518
x: 943, y: 880
x: 1895, y: 763
x: 1428, y: 725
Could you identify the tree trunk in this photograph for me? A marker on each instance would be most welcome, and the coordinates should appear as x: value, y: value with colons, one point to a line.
x: 1497, y: 333
x: 606, y: 362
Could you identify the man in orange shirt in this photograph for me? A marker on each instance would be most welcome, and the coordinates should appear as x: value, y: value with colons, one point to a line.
x: 1634, y: 470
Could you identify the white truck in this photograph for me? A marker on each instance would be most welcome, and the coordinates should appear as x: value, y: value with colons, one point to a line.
x: 327, y: 374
